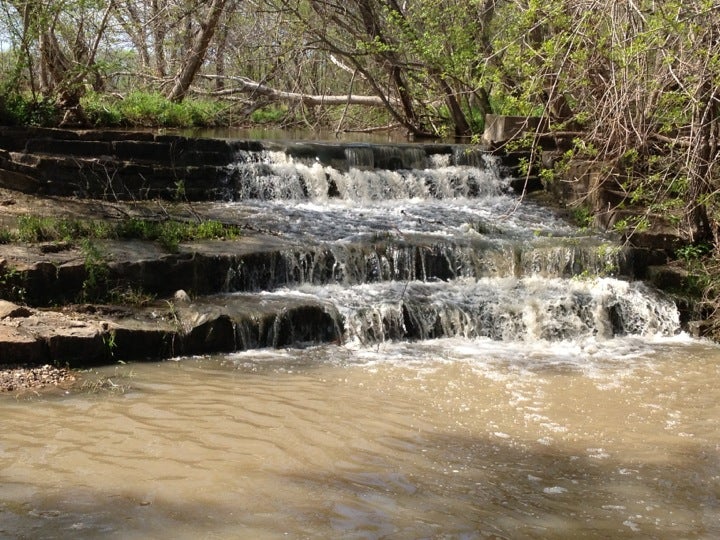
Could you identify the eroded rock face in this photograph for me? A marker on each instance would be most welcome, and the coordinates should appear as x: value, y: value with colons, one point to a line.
x: 86, y: 335
x: 18, y: 346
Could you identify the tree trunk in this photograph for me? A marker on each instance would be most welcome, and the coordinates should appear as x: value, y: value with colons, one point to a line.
x: 134, y: 28
x: 372, y: 28
x: 248, y: 86
x: 159, y: 39
x: 462, y: 127
x: 196, y: 56
x: 220, y: 57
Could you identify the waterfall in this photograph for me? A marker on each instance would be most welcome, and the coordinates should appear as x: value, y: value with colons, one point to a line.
x: 507, y: 309
x: 367, y: 173
x: 414, y: 243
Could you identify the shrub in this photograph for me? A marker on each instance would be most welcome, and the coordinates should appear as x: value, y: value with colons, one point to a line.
x: 18, y: 109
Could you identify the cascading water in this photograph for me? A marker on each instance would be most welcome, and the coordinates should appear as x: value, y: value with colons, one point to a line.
x: 495, y: 378
x: 413, y: 242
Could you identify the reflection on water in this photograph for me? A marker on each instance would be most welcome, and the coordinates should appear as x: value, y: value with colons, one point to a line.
x: 279, y: 134
x: 440, y: 439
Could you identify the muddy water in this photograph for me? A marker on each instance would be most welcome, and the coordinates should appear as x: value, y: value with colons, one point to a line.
x: 440, y: 439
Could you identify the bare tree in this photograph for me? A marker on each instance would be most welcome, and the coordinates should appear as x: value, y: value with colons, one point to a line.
x: 67, y: 45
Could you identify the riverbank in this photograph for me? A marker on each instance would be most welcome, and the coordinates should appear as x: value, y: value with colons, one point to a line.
x: 37, y: 378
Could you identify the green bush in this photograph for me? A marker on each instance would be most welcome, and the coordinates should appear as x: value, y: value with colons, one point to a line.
x: 269, y: 115
x: 23, y: 110
x: 36, y: 229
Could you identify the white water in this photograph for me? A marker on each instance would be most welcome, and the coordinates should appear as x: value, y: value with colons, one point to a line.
x: 280, y: 193
x: 508, y: 309
x: 503, y: 264
x: 375, y: 228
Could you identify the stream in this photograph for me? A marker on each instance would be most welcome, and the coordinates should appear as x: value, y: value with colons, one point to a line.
x: 499, y: 376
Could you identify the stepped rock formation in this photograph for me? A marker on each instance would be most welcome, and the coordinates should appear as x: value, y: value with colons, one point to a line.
x: 314, y: 216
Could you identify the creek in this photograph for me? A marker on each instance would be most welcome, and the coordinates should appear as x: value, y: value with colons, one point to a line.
x: 499, y: 375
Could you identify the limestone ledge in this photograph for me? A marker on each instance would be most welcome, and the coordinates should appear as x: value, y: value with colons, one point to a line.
x: 81, y: 335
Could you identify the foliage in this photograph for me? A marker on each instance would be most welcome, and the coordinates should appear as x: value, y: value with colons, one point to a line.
x: 619, y: 70
x: 35, y: 229
x: 6, y: 235
x: 12, y: 284
x: 129, y: 295
x: 95, y: 285
x: 268, y: 115
x: 144, y: 109
x: 170, y: 233
x: 32, y: 228
x: 19, y: 109
x: 582, y: 216
x: 692, y: 252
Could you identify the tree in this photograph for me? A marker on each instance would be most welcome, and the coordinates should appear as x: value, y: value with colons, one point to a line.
x: 196, y: 53
x: 636, y: 85
x: 57, y: 51
x: 420, y: 57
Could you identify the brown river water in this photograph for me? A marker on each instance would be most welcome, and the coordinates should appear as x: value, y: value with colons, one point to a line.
x: 445, y: 438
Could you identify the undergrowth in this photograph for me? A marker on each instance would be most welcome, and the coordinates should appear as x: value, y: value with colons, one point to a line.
x: 145, y: 109
x: 21, y: 109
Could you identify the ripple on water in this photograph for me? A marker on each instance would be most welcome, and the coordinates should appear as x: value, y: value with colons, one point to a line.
x: 445, y: 437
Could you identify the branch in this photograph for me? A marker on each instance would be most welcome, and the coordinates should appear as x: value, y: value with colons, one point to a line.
x: 345, y: 67
x: 245, y: 85
x: 372, y: 129
x: 677, y: 141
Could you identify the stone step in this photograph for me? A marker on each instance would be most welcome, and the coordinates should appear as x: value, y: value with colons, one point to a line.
x: 122, y: 165
x: 46, y: 274
x: 526, y: 184
x: 90, y: 334
x: 106, y: 178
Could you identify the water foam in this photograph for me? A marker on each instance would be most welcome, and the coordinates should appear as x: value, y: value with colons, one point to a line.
x: 275, y: 175
x: 508, y: 309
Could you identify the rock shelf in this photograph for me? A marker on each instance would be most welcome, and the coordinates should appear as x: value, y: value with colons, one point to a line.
x: 82, y: 335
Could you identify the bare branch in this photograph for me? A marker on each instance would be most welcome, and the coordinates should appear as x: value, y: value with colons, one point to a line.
x: 245, y: 85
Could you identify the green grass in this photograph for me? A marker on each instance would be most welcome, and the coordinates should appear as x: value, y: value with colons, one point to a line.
x: 146, y: 109
x: 168, y: 233
x: 47, y: 229
x: 272, y: 114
